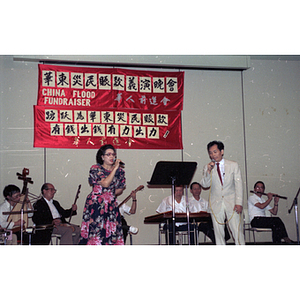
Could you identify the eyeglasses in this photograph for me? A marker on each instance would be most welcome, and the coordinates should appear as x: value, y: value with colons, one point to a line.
x: 54, y: 190
x: 110, y: 154
x: 16, y: 196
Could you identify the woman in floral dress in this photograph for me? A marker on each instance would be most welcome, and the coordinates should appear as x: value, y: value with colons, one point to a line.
x: 101, y: 224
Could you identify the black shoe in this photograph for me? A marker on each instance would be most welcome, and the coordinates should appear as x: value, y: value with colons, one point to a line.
x: 289, y: 242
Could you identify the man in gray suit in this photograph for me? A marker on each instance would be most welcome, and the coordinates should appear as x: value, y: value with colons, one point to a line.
x: 226, y: 193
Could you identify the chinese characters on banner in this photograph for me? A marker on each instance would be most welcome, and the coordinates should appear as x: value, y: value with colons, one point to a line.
x: 89, y: 107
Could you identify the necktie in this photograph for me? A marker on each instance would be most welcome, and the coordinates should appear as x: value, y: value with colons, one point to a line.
x: 218, y: 170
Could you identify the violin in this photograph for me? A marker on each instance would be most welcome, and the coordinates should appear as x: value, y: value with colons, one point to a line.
x: 136, y: 190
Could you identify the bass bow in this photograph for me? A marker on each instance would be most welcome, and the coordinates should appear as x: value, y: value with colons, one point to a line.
x: 76, y: 197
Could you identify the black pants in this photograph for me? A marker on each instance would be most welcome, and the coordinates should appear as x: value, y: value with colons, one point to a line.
x: 208, y: 229
x: 205, y: 227
x: 180, y: 228
x: 25, y: 237
x: 275, y: 223
x: 125, y: 228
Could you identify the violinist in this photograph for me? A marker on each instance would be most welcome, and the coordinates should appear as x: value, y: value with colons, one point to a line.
x: 12, y: 196
x: 257, y: 208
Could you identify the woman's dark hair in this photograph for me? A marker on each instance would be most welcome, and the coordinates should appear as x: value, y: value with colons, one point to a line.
x: 219, y: 144
x: 9, y: 190
x: 102, y: 151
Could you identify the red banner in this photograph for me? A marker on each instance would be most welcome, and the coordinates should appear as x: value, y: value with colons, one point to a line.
x: 88, y: 107
x: 89, y: 129
x: 109, y: 88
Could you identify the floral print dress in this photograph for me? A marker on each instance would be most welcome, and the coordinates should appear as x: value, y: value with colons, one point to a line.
x: 101, y: 224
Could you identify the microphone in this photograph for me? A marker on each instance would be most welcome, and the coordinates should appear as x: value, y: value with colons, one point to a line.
x: 122, y: 165
x: 212, y: 166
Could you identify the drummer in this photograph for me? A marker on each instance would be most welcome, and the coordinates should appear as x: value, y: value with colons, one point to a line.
x: 12, y: 196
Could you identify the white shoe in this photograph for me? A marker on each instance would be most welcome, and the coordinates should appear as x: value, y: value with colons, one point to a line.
x: 133, y: 230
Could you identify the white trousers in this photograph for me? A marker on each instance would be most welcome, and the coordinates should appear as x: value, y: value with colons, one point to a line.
x: 235, y: 225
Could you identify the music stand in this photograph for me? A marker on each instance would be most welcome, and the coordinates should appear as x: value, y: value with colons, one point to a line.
x: 174, y: 173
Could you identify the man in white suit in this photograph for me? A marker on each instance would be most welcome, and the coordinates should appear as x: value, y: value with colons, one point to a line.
x: 226, y: 194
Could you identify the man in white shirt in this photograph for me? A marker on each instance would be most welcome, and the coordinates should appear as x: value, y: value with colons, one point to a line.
x: 12, y: 195
x: 196, y: 202
x: 223, y: 177
x: 49, y: 212
x: 257, y: 207
x: 180, y: 207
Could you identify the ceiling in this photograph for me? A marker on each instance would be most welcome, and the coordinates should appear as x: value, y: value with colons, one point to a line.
x: 277, y: 57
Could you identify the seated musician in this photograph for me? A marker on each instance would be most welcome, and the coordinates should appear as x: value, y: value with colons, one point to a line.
x: 197, y: 204
x: 124, y: 208
x: 12, y: 196
x: 180, y: 207
x: 49, y: 217
x: 257, y: 207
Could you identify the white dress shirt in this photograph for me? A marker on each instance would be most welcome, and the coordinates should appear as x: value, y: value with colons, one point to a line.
x: 124, y: 209
x: 222, y: 169
x: 5, y: 207
x: 255, y: 211
x: 166, y: 205
x: 197, y: 205
x: 54, y: 211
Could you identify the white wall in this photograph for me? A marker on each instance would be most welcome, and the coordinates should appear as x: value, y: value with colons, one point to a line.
x: 213, y: 109
x: 272, y: 106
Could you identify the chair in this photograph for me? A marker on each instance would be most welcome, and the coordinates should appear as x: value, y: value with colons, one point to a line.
x: 130, y: 238
x: 204, y: 237
x: 181, y: 236
x: 161, y: 232
x: 4, y: 236
x: 249, y: 228
x: 57, y: 238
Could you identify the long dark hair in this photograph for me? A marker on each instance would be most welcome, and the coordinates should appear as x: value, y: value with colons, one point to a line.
x: 102, y: 151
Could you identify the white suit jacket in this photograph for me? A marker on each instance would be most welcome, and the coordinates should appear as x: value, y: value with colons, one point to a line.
x: 231, y: 193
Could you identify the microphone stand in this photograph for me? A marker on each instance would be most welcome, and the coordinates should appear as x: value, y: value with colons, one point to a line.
x: 173, y: 210
x: 295, y: 204
x: 187, y: 214
x: 22, y: 215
